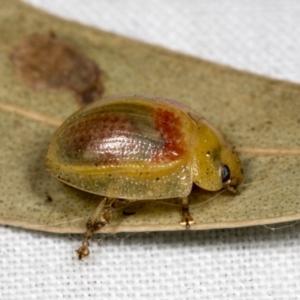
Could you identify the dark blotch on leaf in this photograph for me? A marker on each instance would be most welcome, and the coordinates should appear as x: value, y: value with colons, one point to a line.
x: 47, y: 62
x: 48, y: 198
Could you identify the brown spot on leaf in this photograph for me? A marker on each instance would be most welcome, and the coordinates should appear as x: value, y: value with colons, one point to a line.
x: 48, y: 198
x: 46, y: 62
x: 90, y: 94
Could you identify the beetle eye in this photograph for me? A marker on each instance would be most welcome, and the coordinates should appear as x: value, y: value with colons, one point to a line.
x: 225, y: 173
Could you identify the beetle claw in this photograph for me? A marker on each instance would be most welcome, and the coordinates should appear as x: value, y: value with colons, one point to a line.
x: 187, y: 221
x: 83, y: 251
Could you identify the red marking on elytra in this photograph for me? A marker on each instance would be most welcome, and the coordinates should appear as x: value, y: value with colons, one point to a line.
x: 169, y: 125
x: 108, y: 138
x: 89, y: 135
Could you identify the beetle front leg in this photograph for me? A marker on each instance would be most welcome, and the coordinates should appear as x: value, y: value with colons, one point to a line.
x: 186, y: 218
x: 97, y: 220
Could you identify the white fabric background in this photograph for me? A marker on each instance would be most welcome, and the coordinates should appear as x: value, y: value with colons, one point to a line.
x: 248, y: 263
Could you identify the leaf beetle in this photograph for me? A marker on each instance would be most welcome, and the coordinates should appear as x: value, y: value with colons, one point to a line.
x: 136, y: 148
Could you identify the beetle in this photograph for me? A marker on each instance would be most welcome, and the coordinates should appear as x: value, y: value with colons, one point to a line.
x: 139, y: 147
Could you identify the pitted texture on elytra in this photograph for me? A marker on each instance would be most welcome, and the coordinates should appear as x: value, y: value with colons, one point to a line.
x: 126, y: 147
x: 123, y: 133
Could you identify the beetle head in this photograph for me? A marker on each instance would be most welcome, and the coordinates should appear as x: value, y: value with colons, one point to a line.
x: 216, y: 164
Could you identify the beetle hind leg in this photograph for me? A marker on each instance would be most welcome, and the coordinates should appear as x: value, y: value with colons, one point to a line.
x: 96, y: 221
x: 186, y: 218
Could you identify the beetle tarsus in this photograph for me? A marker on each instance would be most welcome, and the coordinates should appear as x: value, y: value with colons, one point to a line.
x: 99, y: 219
x: 83, y: 251
x: 186, y: 218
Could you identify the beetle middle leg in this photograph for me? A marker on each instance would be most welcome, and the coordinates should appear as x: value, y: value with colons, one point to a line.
x: 96, y: 221
x: 186, y: 218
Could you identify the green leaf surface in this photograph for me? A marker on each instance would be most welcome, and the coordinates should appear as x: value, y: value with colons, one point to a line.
x: 260, y: 116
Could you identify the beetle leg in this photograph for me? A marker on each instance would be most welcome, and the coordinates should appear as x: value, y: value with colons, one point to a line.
x: 96, y: 221
x: 186, y: 218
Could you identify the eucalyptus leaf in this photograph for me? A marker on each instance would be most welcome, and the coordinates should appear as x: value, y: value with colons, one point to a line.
x: 260, y: 116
